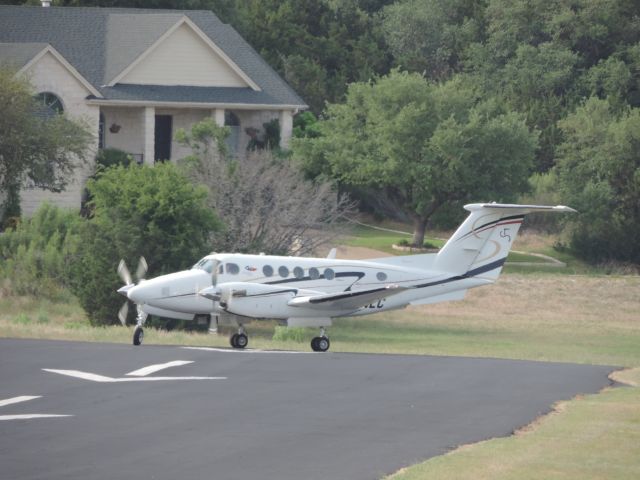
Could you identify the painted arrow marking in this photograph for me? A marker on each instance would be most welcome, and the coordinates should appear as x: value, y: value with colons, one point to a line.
x: 102, y: 379
x: 28, y: 416
x: 143, y: 372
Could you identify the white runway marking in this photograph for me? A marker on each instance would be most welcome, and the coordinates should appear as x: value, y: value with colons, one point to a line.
x: 229, y: 350
x: 142, y: 372
x: 27, y: 416
x: 23, y: 398
x: 102, y: 379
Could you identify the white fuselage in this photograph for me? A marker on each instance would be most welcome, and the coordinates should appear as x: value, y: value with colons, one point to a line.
x: 268, y: 283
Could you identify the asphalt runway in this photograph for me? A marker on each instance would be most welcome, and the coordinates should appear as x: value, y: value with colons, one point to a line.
x: 256, y: 415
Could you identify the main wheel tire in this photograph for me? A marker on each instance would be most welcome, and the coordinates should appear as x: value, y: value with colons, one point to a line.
x: 138, y: 336
x: 233, y: 340
x: 241, y: 340
x: 323, y: 344
x: 314, y: 344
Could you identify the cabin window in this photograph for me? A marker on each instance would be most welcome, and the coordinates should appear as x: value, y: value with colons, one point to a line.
x: 298, y: 272
x: 233, y: 268
x: 267, y: 270
x: 283, y: 271
x: 204, y: 264
x: 329, y: 274
x: 381, y: 276
x: 314, y: 273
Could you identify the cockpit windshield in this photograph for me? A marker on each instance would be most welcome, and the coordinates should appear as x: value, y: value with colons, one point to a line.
x: 205, y: 264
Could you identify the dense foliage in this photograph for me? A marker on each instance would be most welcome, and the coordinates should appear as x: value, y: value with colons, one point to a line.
x: 599, y: 174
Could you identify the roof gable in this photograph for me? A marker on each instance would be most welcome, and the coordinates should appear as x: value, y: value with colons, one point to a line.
x: 184, y: 55
x: 101, y: 43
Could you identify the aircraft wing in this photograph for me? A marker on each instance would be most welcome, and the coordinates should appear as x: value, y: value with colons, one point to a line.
x: 345, y: 300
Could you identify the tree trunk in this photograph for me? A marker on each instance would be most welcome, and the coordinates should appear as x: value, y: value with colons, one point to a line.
x: 419, y: 227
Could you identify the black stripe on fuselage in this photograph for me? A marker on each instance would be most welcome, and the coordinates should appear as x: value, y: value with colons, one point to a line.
x: 278, y: 292
x: 471, y: 273
x: 347, y: 295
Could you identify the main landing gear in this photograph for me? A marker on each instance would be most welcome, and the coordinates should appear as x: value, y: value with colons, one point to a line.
x: 321, y: 343
x: 240, y: 339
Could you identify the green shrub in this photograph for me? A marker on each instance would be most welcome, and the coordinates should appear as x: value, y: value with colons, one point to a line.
x: 34, y: 255
x: 137, y: 210
x: 112, y: 157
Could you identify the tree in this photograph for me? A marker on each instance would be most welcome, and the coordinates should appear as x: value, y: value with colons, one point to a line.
x: 35, y: 145
x: 265, y: 202
x: 598, y: 172
x: 317, y: 45
x: 431, y: 36
x: 422, y: 145
x: 137, y: 210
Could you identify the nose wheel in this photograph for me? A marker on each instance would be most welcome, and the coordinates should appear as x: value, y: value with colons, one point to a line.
x: 321, y: 343
x: 138, y: 335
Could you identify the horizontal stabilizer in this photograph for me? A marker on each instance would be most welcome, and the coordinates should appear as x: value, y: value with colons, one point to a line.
x: 346, y: 300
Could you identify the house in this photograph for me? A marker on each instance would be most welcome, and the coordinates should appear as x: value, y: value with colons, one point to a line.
x: 137, y: 75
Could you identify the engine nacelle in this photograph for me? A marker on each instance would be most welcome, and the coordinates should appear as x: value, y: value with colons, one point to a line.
x: 257, y: 300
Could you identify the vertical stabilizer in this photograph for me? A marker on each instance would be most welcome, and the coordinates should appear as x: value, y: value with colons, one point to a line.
x: 481, y: 244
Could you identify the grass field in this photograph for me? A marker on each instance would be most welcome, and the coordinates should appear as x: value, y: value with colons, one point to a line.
x: 535, y: 313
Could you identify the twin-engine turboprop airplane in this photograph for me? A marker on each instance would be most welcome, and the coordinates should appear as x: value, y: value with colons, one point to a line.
x: 310, y: 292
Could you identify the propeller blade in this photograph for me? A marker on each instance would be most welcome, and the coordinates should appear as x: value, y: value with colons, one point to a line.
x: 122, y: 313
x: 123, y: 273
x: 214, y: 272
x: 141, y: 271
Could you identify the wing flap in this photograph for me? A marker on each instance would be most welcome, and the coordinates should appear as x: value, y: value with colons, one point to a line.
x: 346, y: 300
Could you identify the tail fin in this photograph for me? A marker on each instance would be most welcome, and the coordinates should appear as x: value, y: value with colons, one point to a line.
x: 481, y: 244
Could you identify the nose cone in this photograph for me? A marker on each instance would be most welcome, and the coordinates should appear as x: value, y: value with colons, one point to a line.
x: 141, y: 293
x: 124, y: 290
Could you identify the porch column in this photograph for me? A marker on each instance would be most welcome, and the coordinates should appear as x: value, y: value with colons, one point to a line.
x: 218, y: 116
x: 149, y: 125
x: 286, y: 128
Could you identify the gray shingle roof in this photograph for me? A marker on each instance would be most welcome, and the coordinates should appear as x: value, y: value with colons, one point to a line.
x: 101, y: 42
x: 17, y: 55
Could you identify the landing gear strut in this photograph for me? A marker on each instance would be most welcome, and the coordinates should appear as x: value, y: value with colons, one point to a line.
x: 138, y: 333
x: 240, y: 339
x: 321, y: 343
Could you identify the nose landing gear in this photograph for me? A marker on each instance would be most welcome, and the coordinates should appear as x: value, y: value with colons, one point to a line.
x: 138, y: 333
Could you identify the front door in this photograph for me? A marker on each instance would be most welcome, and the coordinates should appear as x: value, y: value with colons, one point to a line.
x: 164, y: 124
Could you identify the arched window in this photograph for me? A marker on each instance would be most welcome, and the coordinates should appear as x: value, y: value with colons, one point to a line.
x: 50, y: 101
